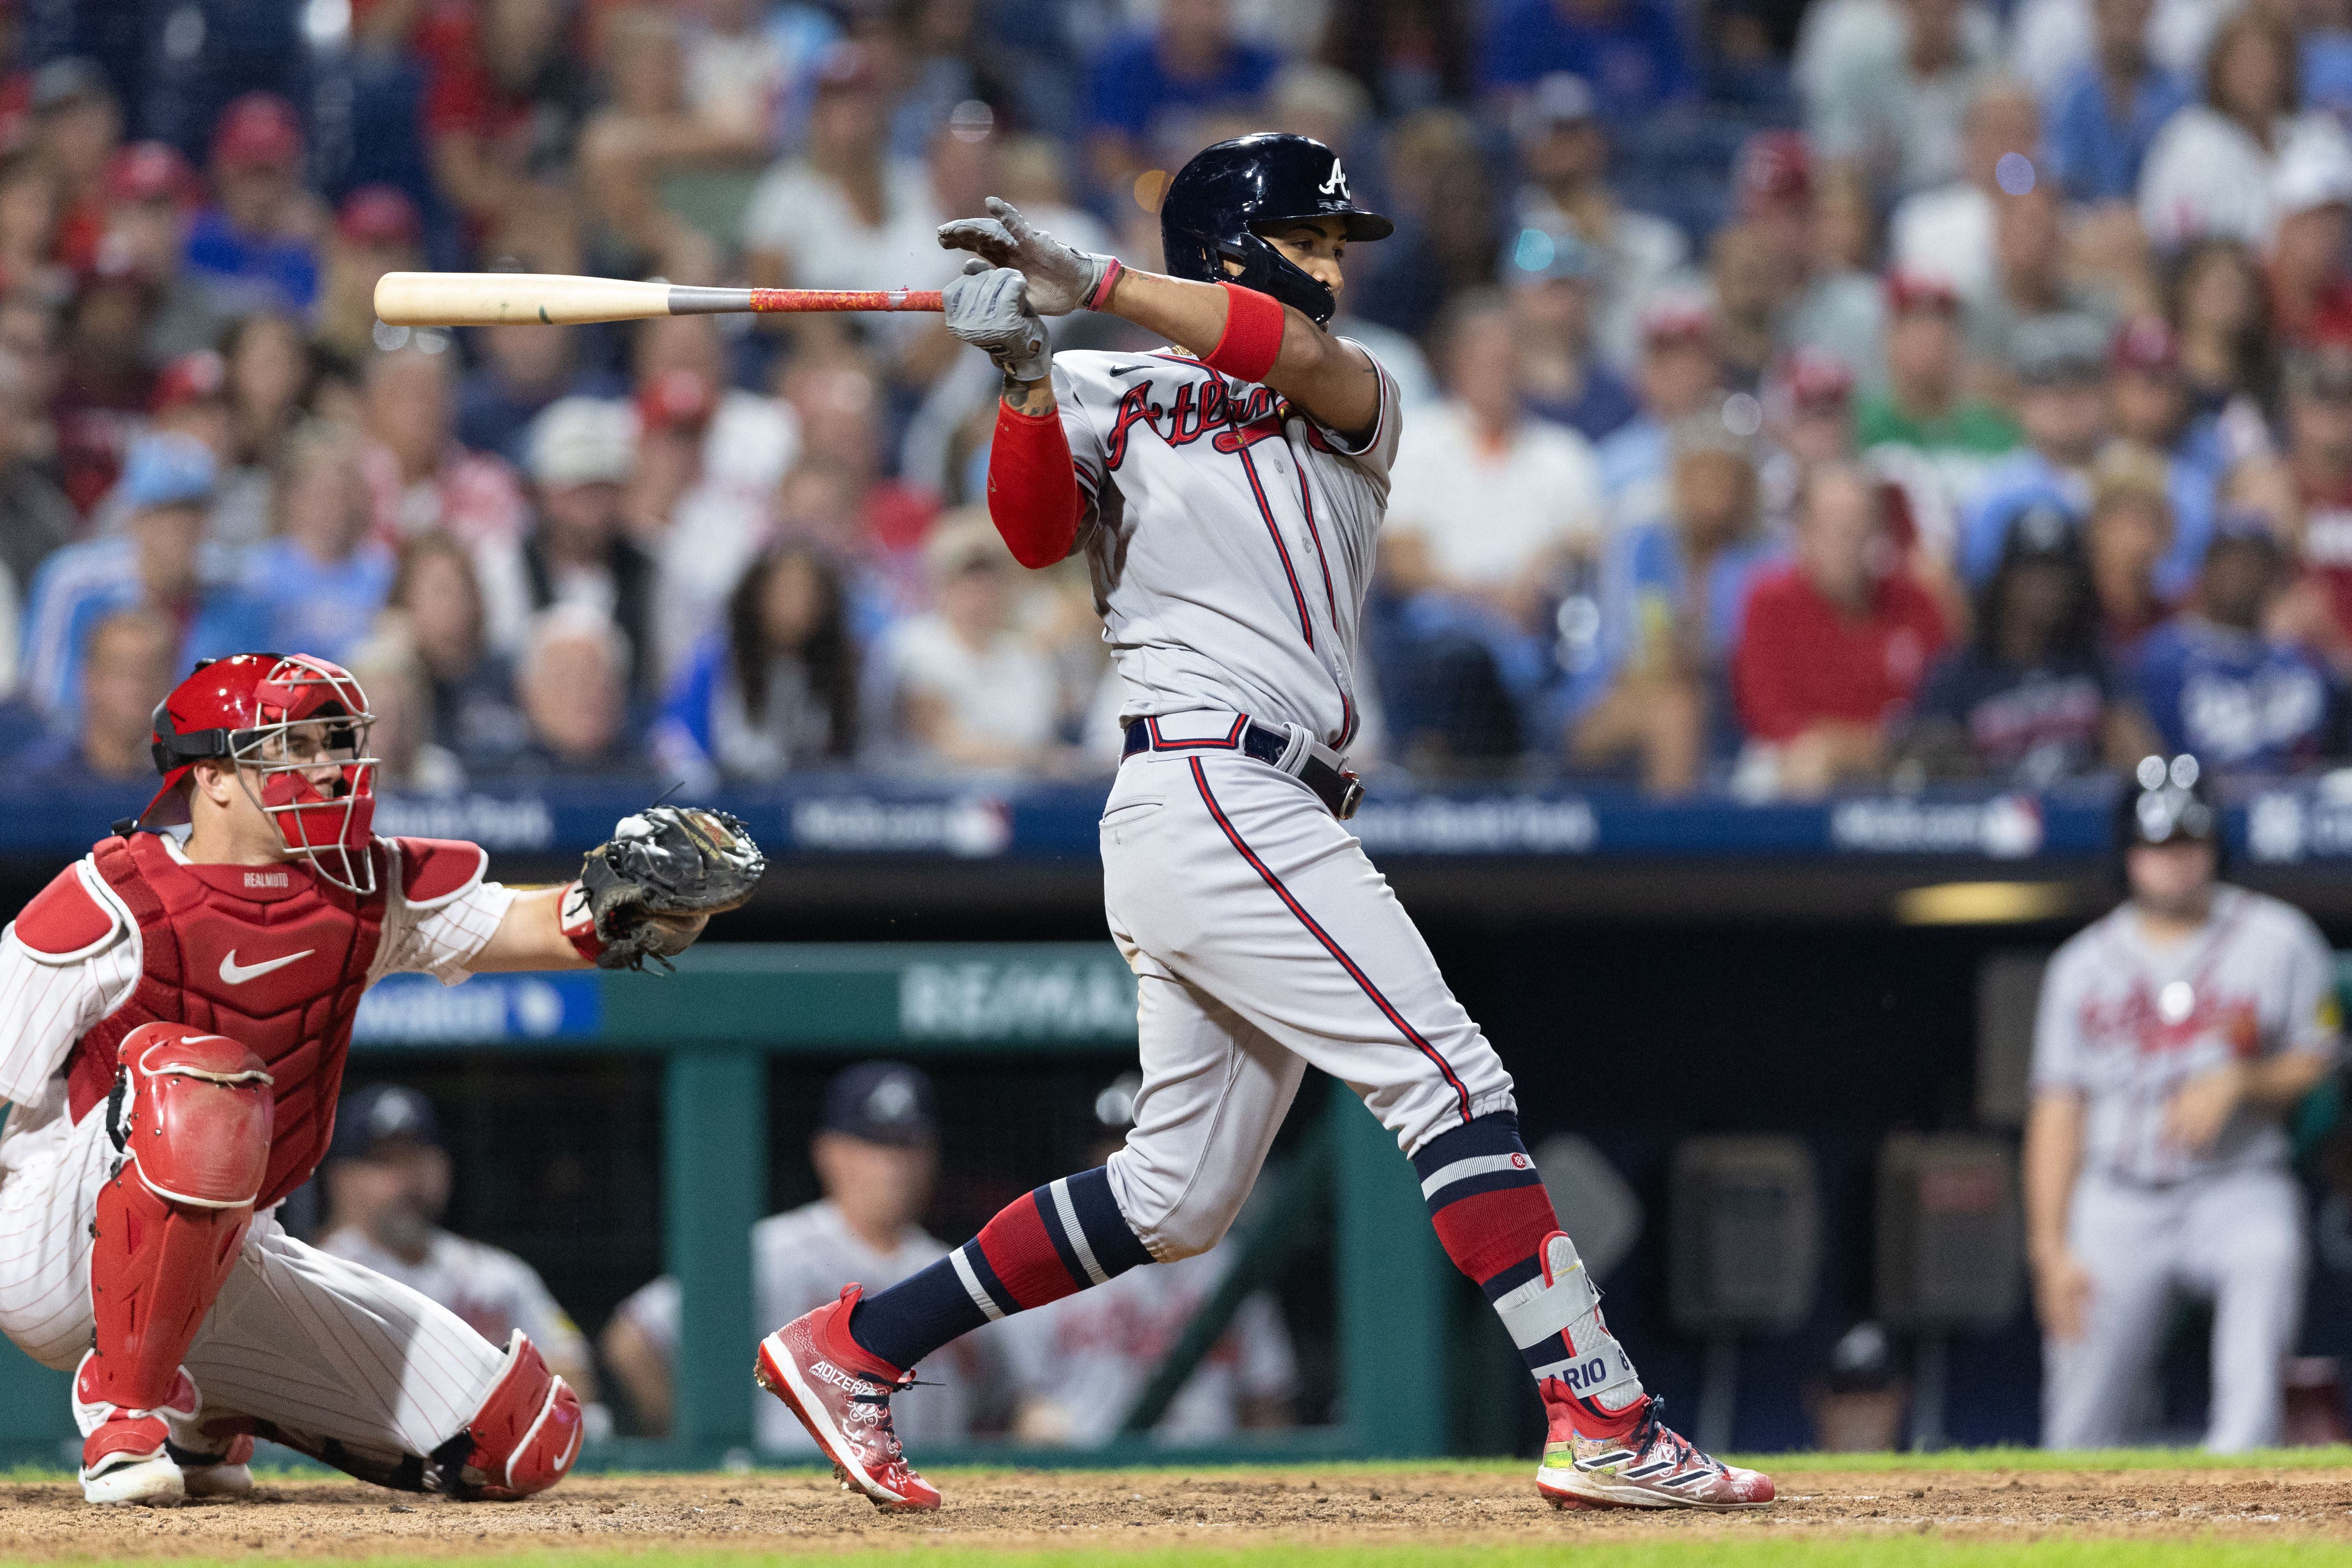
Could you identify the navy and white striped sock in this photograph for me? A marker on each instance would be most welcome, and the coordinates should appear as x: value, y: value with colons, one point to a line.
x: 1048, y: 1244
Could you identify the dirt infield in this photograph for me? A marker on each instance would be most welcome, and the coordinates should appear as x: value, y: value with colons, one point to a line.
x: 1336, y: 1507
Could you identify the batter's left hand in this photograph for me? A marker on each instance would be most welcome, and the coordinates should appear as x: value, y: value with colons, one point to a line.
x: 2200, y: 1108
x: 1060, y: 278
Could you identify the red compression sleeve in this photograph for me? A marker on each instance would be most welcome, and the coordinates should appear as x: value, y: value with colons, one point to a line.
x: 1252, y: 334
x: 1033, y: 491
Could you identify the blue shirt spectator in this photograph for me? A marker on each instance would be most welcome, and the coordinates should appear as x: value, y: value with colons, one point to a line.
x: 160, y: 561
x: 1190, y: 63
x: 2215, y: 684
x: 2236, y: 699
x: 1632, y: 51
x: 323, y: 578
x: 1646, y: 598
x: 2096, y: 156
x: 259, y: 241
x: 2327, y: 72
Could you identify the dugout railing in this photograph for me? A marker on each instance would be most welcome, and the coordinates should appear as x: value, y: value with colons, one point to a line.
x: 729, y: 1011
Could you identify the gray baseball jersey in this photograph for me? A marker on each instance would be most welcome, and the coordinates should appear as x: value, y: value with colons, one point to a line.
x: 491, y: 1289
x: 1230, y: 537
x: 800, y: 1260
x: 2126, y: 1023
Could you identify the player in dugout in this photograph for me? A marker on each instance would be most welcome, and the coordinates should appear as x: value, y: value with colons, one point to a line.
x: 179, y: 1008
x: 388, y: 1178
x: 1227, y: 493
x: 876, y: 1154
x: 2173, y: 1038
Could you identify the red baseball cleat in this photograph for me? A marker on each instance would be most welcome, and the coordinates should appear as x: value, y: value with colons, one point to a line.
x: 843, y: 1397
x: 1631, y: 1458
x: 125, y: 1453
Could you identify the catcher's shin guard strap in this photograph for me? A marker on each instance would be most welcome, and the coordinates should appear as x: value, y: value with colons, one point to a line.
x: 1252, y: 334
x: 1555, y: 1320
x: 526, y: 1434
x: 578, y: 919
x: 1033, y: 490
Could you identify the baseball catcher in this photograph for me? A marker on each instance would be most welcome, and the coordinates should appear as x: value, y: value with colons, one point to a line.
x: 1227, y: 492
x: 178, y: 1008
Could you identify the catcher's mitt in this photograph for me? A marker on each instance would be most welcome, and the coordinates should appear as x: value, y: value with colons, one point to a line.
x: 665, y: 860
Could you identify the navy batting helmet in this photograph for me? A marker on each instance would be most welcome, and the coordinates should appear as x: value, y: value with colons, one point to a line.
x: 1217, y: 204
x: 2167, y: 801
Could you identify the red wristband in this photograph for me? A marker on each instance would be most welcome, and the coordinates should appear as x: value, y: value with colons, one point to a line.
x: 579, y: 926
x: 1033, y: 490
x: 1101, y: 296
x: 1252, y: 334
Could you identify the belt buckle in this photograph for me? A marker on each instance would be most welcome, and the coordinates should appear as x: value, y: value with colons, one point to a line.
x: 1352, y: 795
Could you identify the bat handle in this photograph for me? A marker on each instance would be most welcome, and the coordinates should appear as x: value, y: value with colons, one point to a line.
x: 772, y: 301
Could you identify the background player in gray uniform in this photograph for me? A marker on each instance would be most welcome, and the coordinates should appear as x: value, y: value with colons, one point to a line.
x: 387, y: 1180
x: 2173, y: 1038
x: 875, y: 1153
x: 1226, y: 492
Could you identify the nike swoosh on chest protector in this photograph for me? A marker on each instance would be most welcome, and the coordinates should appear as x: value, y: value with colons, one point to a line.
x: 236, y: 974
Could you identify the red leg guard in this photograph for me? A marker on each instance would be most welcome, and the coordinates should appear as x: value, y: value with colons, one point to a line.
x: 191, y: 1116
x: 154, y: 1269
x: 525, y: 1433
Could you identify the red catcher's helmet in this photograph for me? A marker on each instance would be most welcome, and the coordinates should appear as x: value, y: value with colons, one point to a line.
x: 282, y: 718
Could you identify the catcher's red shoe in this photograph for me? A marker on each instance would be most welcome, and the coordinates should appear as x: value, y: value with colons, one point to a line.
x: 125, y: 1455
x: 1631, y: 1458
x: 843, y: 1397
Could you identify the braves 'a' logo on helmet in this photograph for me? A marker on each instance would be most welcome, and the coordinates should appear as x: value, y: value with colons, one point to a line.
x: 1337, y: 185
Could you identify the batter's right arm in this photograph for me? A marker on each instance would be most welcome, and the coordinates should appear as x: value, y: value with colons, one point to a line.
x: 2053, y: 1159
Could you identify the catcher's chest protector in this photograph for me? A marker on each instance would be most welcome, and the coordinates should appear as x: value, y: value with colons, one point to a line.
x: 270, y: 955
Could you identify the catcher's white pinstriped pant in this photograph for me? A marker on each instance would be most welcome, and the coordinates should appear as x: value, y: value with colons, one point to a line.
x: 1263, y: 941
x: 309, y: 1342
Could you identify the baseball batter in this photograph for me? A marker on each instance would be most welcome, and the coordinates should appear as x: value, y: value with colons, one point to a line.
x: 2173, y: 1036
x: 1226, y: 492
x: 177, y: 1015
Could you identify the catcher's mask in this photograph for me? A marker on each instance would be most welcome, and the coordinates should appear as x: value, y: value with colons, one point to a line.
x: 296, y: 728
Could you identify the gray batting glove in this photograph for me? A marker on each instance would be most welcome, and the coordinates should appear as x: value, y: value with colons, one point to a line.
x: 989, y: 308
x: 1060, y: 278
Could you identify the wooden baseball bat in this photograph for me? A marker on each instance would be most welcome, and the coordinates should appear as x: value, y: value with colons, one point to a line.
x: 547, y: 299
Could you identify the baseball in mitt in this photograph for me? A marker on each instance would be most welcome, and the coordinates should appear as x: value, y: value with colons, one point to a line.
x: 663, y: 873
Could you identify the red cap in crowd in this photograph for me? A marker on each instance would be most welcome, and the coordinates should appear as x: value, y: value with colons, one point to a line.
x: 847, y: 67
x: 259, y: 130
x: 379, y: 214
x: 1676, y: 318
x: 2145, y: 344
x: 150, y: 172
x: 1774, y: 166
x: 1815, y: 380
x: 194, y: 377
x: 676, y: 400
x: 1908, y: 290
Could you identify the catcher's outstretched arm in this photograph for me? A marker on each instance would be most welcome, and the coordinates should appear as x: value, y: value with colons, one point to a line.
x: 531, y: 936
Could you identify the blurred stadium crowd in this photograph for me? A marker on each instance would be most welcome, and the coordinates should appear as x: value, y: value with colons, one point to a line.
x: 1798, y: 394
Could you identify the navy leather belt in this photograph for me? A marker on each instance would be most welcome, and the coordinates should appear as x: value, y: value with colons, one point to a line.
x: 1337, y: 787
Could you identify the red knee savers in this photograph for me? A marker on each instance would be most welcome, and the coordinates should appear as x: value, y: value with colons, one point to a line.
x: 527, y: 1433
x: 197, y: 1123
